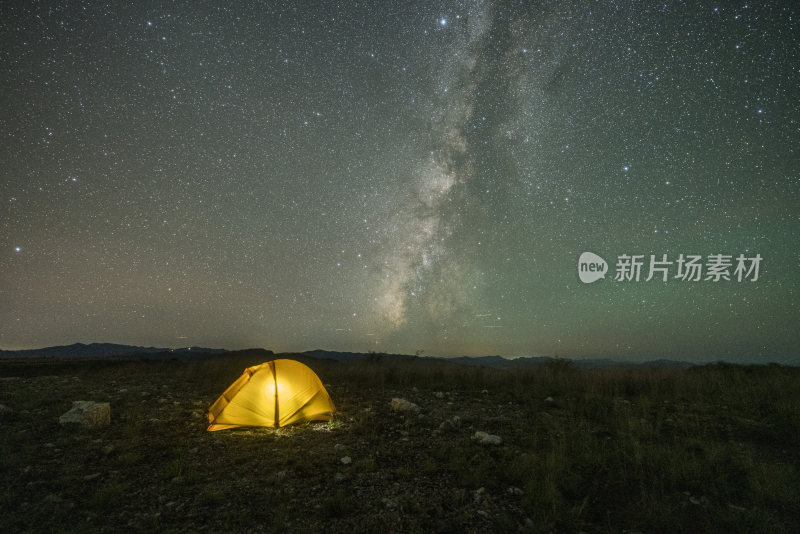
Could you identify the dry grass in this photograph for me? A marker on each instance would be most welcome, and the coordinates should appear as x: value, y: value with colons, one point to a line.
x: 711, y: 449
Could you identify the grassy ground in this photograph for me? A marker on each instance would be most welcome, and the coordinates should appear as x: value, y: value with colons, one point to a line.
x: 711, y: 449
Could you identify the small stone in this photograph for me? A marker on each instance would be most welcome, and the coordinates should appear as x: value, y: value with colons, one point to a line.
x: 88, y: 414
x: 439, y: 395
x: 346, y: 460
x: 339, y: 447
x: 485, y: 391
x: 513, y: 490
x: 197, y: 414
x: 108, y: 449
x: 92, y: 476
x: 402, y: 405
x: 484, y: 438
x: 549, y: 400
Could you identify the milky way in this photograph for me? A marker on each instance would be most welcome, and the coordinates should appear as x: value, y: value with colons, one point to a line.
x: 408, y: 177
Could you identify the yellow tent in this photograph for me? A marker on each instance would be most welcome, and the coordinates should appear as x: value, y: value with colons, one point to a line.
x: 274, y: 394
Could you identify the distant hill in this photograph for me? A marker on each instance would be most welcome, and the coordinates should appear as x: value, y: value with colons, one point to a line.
x: 497, y: 362
x: 109, y: 350
x: 101, y: 350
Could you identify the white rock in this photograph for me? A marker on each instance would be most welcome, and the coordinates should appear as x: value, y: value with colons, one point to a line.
x: 346, y: 460
x: 402, y: 405
x: 484, y: 438
x: 89, y: 414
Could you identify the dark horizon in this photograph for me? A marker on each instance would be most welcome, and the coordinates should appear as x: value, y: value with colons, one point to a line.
x: 187, y: 349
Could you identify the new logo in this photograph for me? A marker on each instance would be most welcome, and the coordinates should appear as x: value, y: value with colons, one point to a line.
x: 591, y: 267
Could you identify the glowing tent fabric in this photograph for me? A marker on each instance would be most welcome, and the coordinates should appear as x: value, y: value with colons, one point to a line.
x: 273, y: 394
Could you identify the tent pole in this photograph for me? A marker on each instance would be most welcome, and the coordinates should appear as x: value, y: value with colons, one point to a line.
x: 275, y: 382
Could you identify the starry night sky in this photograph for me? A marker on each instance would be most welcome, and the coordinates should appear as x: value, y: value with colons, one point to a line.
x: 399, y: 177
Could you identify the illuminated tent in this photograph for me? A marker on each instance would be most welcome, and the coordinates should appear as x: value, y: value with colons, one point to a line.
x: 274, y: 394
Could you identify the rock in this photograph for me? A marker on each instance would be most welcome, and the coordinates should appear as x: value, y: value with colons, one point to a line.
x: 339, y: 447
x: 402, y: 405
x: 513, y: 490
x: 346, y: 460
x: 197, y: 414
x: 549, y: 400
x: 89, y: 414
x: 484, y: 438
x: 450, y: 424
x: 439, y: 395
x: 91, y: 477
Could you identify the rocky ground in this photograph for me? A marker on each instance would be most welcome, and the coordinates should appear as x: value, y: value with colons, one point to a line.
x: 468, y: 451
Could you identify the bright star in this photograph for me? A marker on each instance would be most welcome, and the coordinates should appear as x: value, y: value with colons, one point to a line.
x: 17, y: 249
x: 442, y: 22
